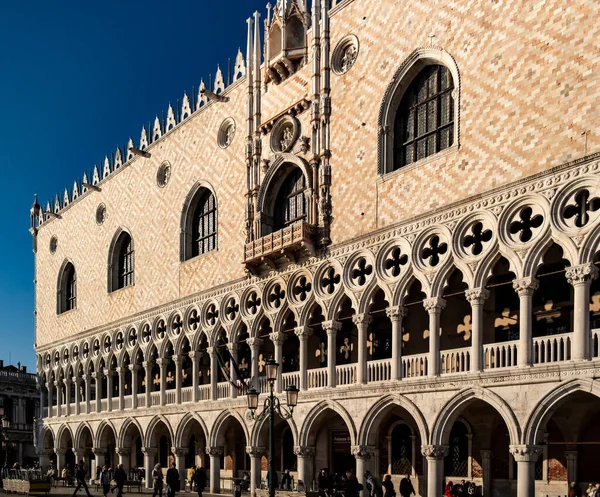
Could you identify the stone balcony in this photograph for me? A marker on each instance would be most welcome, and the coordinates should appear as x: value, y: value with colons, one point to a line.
x: 285, y: 245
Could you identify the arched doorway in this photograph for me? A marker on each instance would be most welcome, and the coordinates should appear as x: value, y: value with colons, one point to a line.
x: 107, y: 445
x: 131, y: 438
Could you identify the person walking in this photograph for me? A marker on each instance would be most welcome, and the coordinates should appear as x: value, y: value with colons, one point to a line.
x: 286, y: 480
x: 80, y: 477
x: 200, y: 480
x: 351, y: 486
x: 373, y: 486
x: 105, y: 478
x: 324, y: 483
x: 406, y: 487
x: 388, y: 486
x: 191, y: 479
x: 157, y: 481
x: 172, y: 481
x: 120, y: 478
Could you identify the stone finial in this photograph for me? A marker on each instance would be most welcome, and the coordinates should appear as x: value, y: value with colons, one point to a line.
x: 157, y: 131
x: 171, y: 123
x: 106, y: 168
x: 129, y: 147
x: 48, y: 209
x: 219, y: 86
x: 186, y: 110
x: 56, y: 205
x: 95, y: 176
x: 143, y: 139
x: 239, y: 70
x: 118, y: 158
x: 75, y: 194
x: 202, y: 98
x: 66, y: 199
x: 83, y: 187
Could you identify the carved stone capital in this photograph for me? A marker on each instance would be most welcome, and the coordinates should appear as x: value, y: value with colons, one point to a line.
x: 305, y: 451
x: 396, y: 313
x: 149, y: 451
x: 214, y: 451
x: 362, y: 319
x: 486, y: 454
x: 122, y: 451
x: 526, y: 453
x: 255, y: 451
x: 179, y: 451
x: 147, y: 364
x: 99, y: 451
x: 477, y: 296
x: 231, y: 347
x: 331, y: 327
x: 579, y: 275
x: 134, y: 367
x: 163, y: 362
x: 212, y: 351
x: 363, y: 451
x: 434, y: 451
x: 277, y: 337
x: 434, y: 304
x: 254, y: 342
x: 525, y: 287
x: 178, y: 360
x: 60, y: 452
x: 303, y: 332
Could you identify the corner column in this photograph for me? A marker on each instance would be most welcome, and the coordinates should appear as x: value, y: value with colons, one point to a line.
x: 581, y: 278
x: 396, y: 314
x: 525, y: 288
x: 331, y: 328
x: 303, y: 333
x: 215, y: 454
x: 476, y: 298
x: 526, y: 457
x: 435, y: 468
x: 278, y: 339
x: 362, y: 322
x: 256, y: 454
x: 434, y: 307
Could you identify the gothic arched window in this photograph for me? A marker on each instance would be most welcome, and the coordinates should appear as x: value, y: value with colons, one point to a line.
x: 290, y: 205
x: 121, y: 262
x: 67, y: 289
x: 198, y: 223
x: 424, y: 123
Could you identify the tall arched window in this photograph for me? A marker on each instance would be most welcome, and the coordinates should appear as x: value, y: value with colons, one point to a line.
x: 121, y: 262
x: 290, y: 205
x: 198, y: 223
x: 424, y: 123
x: 66, y: 298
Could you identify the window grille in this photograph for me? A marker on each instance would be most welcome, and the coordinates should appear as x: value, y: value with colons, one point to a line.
x: 125, y: 276
x: 204, y: 236
x: 71, y: 288
x: 425, y: 119
x: 291, y: 201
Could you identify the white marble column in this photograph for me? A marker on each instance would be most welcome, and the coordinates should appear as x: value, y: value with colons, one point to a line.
x: 476, y: 297
x: 303, y: 333
x: 434, y: 307
x: 135, y: 378
x: 49, y: 389
x: 525, y: 288
x: 331, y: 328
x: 486, y: 470
x: 195, y: 357
x: 148, y: 367
x: 149, y: 454
x: 178, y: 360
x: 121, y: 377
x: 435, y: 455
x: 256, y: 454
x: 396, y: 314
x: 526, y: 457
x: 363, y: 455
x: 278, y: 339
x: 98, y: 378
x: 88, y: 390
x: 67, y: 383
x: 124, y: 458
x: 60, y: 459
x: 305, y: 456
x: 59, y: 397
x: 214, y: 373
x: 215, y: 454
x: 254, y: 344
x: 99, y: 458
x: 180, y: 464
x: 581, y: 278
x: 362, y: 321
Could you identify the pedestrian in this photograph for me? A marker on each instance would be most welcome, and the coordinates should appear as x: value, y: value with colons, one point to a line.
x: 286, y: 480
x: 449, y: 490
x: 406, y: 487
x: 574, y: 490
x: 351, y: 486
x: 120, y: 478
x: 373, y: 486
x: 200, y: 480
x: 80, y: 476
x: 388, y: 486
x: 172, y: 481
x: 275, y: 479
x: 191, y: 473
x: 301, y: 487
x: 324, y: 483
x: 157, y: 480
x: 105, y: 478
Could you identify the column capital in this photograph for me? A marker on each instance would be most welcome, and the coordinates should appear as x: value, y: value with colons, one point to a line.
x: 214, y: 451
x: 120, y: 369
x: 134, y: 367
x: 303, y: 332
x: 434, y: 451
x: 363, y: 319
x: 255, y: 451
x: 194, y: 354
x: 331, y: 327
x: 177, y: 359
x: 526, y: 286
x: 254, y: 342
x: 149, y: 451
x: 76, y: 378
x: 79, y: 453
x: 305, y: 451
x: 99, y: 451
x: 122, y: 451
x: 108, y: 372
x: 396, y: 312
x: 231, y: 346
x: 277, y: 337
x: 212, y: 351
x: 526, y: 453
x: 486, y: 454
x: 571, y: 455
x: 579, y: 275
x: 60, y: 452
x: 147, y: 364
x: 363, y: 451
x: 477, y: 295
x: 434, y: 304
x: 162, y: 362
x: 179, y: 451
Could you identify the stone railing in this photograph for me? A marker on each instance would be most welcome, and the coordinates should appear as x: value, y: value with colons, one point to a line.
x: 317, y: 378
x: 552, y: 348
x: 414, y: 366
x: 346, y: 374
x: 379, y: 370
x: 223, y: 390
x: 500, y: 355
x: 455, y: 360
x: 289, y: 379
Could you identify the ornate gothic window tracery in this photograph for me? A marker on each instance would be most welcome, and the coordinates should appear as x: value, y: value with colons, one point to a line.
x: 290, y: 205
x: 424, y: 123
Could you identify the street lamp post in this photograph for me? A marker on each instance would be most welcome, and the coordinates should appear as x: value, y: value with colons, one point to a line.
x: 270, y: 407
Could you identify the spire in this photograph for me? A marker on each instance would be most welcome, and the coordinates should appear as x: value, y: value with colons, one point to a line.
x: 171, y: 123
x: 106, y: 169
x: 157, y: 133
x: 118, y: 158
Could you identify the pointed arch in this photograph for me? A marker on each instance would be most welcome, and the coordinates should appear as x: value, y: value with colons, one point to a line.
x: 258, y: 428
x: 121, y: 263
x: 66, y: 287
x: 81, y: 429
x: 130, y: 423
x: 106, y: 424
x: 184, y: 425
x: 199, y: 221
x: 317, y: 411
x: 450, y: 411
x: 215, y: 433
x: 156, y: 421
x: 63, y: 430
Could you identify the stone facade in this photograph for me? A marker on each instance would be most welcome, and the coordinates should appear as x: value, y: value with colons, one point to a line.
x: 492, y: 240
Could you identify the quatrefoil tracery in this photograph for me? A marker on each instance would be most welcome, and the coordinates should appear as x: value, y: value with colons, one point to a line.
x: 361, y: 272
x: 302, y: 288
x: 477, y: 239
x: 212, y: 314
x: 395, y: 261
x: 330, y: 280
x: 526, y: 224
x: 146, y: 333
x: 582, y: 207
x: 253, y: 303
x: 231, y: 309
x: 161, y: 329
x: 435, y: 249
x: 276, y: 296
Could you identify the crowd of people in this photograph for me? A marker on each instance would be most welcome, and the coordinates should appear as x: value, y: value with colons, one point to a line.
x: 332, y: 485
x: 593, y: 490
x: 462, y: 489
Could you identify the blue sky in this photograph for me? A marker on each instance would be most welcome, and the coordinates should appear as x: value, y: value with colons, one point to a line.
x: 76, y: 80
